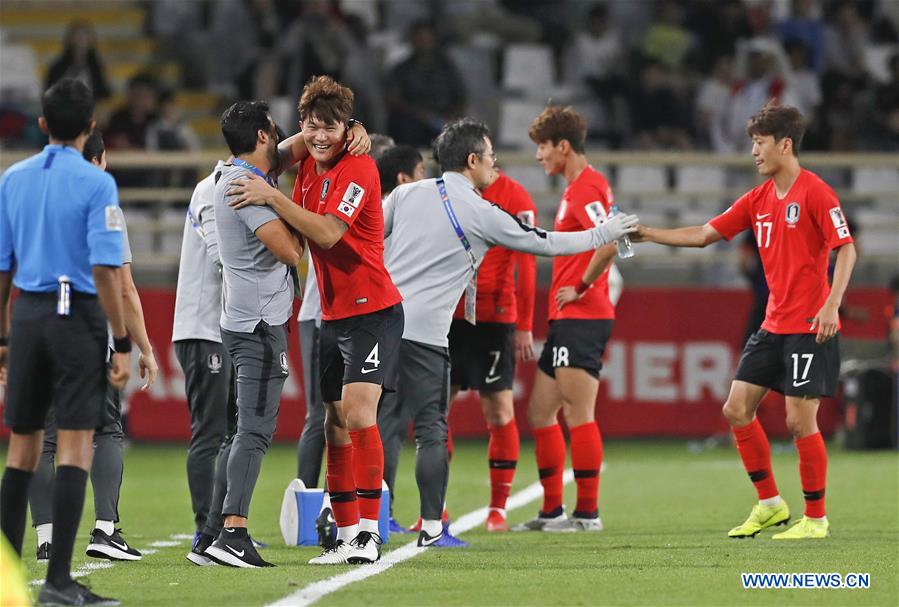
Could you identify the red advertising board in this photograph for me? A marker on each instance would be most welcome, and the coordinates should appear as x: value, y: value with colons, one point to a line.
x: 667, y: 369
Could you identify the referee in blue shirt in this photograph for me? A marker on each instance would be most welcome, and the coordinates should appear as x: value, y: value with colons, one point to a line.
x: 61, y: 236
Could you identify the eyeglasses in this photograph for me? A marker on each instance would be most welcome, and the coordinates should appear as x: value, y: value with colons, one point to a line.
x: 491, y: 156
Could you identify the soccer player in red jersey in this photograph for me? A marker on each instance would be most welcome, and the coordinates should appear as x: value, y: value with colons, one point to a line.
x: 483, y: 355
x: 796, y: 220
x: 581, y: 317
x: 336, y: 206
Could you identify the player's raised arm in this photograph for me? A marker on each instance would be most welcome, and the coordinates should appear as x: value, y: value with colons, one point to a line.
x: 693, y: 236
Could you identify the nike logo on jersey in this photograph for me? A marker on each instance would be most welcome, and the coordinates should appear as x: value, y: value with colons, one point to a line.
x: 229, y: 530
x: 759, y: 216
x: 119, y: 546
x: 240, y: 554
x: 490, y: 380
x: 796, y: 384
x: 367, y: 371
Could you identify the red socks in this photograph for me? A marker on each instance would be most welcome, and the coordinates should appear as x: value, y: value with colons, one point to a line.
x: 586, y: 458
x: 368, y: 470
x: 752, y: 444
x: 341, y: 486
x: 502, y: 453
x: 550, y: 448
x: 813, y: 473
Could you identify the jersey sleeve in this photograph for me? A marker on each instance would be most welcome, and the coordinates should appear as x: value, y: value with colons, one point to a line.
x: 591, y: 206
x: 105, y: 224
x: 735, y: 219
x: 526, y: 286
x: 828, y: 216
x: 7, y: 253
x: 356, y: 185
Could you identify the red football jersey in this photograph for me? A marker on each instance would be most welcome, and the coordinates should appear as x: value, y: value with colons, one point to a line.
x: 795, y: 236
x: 498, y: 298
x: 585, y: 204
x: 352, y: 279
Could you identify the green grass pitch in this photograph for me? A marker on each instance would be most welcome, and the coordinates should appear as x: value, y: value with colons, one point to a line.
x: 666, y: 512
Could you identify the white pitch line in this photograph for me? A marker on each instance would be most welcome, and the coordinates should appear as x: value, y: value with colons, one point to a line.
x: 317, y: 590
x: 89, y: 568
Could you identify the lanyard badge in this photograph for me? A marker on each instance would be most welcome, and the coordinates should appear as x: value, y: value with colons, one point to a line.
x: 471, y: 289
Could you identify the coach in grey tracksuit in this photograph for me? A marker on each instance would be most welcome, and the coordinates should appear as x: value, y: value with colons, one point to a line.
x: 257, y: 300
x: 431, y: 267
x: 311, y: 446
x: 198, y: 347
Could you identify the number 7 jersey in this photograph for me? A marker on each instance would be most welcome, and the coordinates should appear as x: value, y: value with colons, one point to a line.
x: 795, y: 235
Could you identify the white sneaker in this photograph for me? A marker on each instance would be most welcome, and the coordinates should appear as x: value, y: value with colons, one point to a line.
x: 335, y: 555
x: 540, y: 522
x: 365, y: 548
x: 575, y: 523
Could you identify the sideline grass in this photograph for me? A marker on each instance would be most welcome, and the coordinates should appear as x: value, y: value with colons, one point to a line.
x: 666, y: 513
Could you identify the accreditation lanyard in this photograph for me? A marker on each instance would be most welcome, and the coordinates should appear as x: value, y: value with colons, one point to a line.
x: 471, y: 289
x: 246, y: 165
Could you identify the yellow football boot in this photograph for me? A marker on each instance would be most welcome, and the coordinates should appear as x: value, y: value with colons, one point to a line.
x: 760, y: 518
x: 806, y: 529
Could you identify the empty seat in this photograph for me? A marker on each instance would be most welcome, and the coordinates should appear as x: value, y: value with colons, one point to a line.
x: 691, y: 179
x: 529, y: 68
x: 632, y: 178
x: 875, y: 181
x: 532, y: 178
x: 141, y: 224
x: 515, y: 119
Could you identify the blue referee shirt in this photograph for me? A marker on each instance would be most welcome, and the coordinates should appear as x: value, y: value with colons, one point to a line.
x: 59, y: 215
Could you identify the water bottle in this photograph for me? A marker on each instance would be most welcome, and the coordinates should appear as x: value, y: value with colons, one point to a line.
x: 623, y: 244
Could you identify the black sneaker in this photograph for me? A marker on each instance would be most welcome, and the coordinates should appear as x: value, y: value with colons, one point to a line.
x: 43, y: 552
x: 198, y: 555
x: 326, y: 527
x: 425, y: 539
x: 364, y: 548
x: 112, y: 547
x: 73, y: 594
x: 235, y: 549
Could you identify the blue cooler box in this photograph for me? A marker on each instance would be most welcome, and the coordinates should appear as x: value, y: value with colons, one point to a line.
x: 301, y: 507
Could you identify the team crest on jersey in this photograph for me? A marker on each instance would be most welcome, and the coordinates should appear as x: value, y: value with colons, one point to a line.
x: 325, y: 187
x: 215, y: 363
x: 792, y: 213
x: 283, y: 358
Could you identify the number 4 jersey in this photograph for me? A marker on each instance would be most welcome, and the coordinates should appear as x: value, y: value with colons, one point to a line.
x: 795, y: 235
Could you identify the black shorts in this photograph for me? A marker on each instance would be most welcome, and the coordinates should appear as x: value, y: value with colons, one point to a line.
x: 794, y: 364
x: 575, y: 342
x: 482, y: 355
x: 56, y: 361
x: 362, y: 348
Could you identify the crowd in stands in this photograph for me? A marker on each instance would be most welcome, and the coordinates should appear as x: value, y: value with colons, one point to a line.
x: 662, y: 74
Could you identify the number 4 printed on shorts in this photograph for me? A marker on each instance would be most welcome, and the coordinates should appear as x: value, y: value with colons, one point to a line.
x: 372, y: 359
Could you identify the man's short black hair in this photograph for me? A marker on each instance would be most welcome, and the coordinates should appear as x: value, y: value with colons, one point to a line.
x: 241, y: 124
x: 94, y: 146
x: 68, y: 108
x: 457, y: 140
x: 398, y: 159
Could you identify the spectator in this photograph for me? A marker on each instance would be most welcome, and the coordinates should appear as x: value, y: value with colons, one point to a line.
x: 362, y: 73
x: 128, y: 125
x: 761, y: 65
x: 804, y: 90
x: 666, y: 40
x: 847, y: 40
x: 712, y: 100
x: 80, y: 60
x: 885, y: 117
x: 169, y: 131
x: 424, y: 91
x: 656, y: 115
x: 805, y: 25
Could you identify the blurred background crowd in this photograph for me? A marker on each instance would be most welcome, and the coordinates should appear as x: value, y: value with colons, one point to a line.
x: 649, y: 74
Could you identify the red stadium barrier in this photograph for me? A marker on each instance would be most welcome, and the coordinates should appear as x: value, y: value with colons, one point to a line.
x: 666, y: 372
